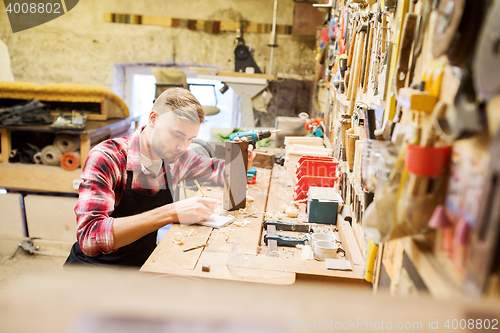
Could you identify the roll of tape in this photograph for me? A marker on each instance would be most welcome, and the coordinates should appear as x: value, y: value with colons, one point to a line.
x: 38, y: 158
x: 70, y: 161
x: 51, y: 155
x: 67, y: 143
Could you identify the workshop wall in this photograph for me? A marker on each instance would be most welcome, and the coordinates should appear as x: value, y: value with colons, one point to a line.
x: 79, y: 47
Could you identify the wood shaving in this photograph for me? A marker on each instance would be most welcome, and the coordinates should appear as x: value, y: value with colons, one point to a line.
x: 219, y: 201
x: 250, y: 198
x: 292, y: 212
x: 190, y: 232
x: 243, y: 223
x: 226, y: 231
x: 269, y: 215
x: 283, y: 209
x: 243, y: 211
x: 178, y: 239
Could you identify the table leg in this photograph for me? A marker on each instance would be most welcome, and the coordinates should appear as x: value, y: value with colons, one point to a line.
x: 6, y: 145
x: 84, y: 148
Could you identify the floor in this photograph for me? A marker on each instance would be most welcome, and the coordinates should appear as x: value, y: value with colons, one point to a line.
x: 24, y: 263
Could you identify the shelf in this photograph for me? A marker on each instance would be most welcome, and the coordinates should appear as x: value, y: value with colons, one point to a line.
x: 35, y: 177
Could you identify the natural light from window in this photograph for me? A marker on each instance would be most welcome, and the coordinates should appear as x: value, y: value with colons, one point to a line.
x: 206, y: 91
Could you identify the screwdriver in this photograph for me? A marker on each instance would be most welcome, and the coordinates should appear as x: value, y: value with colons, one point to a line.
x: 253, y: 135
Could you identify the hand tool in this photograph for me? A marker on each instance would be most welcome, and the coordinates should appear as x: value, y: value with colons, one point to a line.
x: 487, y: 59
x: 465, y: 117
x: 366, y: 49
x: 485, y: 238
x: 285, y: 240
x: 456, y: 30
x: 285, y: 226
x: 351, y: 42
x: 342, y: 68
x: 373, y: 23
x: 408, y: 35
x: 362, y: 30
x: 29, y: 247
x: 253, y: 135
x: 419, y: 39
x: 252, y: 175
x: 390, y: 99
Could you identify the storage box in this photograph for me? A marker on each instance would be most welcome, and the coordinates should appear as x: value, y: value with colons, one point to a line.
x: 322, y: 205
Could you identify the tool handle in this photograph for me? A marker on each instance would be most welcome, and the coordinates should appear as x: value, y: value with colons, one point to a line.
x: 279, y: 225
x: 285, y: 240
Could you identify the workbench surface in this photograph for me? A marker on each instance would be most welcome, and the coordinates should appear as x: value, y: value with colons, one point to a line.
x: 239, y: 253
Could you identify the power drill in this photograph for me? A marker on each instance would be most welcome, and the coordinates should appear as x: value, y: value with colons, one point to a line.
x: 253, y: 135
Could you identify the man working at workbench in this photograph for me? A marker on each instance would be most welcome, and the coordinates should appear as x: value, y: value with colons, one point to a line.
x: 126, y: 193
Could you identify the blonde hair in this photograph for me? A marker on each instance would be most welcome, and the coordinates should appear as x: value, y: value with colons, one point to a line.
x: 182, y: 102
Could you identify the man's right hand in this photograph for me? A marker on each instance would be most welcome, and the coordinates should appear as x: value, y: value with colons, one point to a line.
x: 194, y: 210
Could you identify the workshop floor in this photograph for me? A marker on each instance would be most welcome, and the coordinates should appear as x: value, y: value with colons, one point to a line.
x: 23, y: 264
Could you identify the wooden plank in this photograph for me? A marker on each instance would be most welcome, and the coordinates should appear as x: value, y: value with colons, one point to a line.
x: 6, y: 144
x: 351, y: 247
x: 429, y: 269
x: 48, y: 223
x: 169, y: 255
x: 37, y: 177
x: 291, y: 265
x: 168, y: 259
x: 11, y: 221
x: 84, y: 149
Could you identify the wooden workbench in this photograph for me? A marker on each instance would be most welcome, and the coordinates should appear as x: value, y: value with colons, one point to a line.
x: 241, y: 256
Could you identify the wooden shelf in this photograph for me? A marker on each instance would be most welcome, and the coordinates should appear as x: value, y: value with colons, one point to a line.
x: 33, y: 177
x: 53, y: 178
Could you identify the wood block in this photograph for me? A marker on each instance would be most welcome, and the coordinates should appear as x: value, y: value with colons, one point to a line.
x: 263, y: 160
x: 12, y: 221
x: 51, y: 218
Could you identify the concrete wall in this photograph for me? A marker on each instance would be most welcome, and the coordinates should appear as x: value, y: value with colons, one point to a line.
x: 80, y: 48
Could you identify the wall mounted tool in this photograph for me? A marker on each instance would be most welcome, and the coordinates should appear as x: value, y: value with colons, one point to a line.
x: 485, y: 238
x: 487, y: 59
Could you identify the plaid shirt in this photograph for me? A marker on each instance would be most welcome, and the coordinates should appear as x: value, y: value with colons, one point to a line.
x: 105, y: 176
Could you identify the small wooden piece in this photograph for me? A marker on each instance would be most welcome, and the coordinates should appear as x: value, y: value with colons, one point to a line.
x: 205, y: 268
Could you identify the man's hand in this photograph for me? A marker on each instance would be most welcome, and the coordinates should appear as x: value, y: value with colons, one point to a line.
x: 251, y: 153
x: 193, y: 210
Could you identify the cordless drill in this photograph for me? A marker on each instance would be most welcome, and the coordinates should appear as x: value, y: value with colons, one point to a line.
x: 253, y: 135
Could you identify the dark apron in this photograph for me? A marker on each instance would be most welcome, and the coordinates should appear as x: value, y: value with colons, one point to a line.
x: 136, y: 253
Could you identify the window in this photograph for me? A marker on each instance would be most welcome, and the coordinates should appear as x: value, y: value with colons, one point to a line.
x: 139, y: 89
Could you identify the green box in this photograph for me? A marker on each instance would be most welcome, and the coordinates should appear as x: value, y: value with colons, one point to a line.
x: 323, y: 205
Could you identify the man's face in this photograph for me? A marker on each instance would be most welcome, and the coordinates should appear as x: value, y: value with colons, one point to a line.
x: 172, y: 136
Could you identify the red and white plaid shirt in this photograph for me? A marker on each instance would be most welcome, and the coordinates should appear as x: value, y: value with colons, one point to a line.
x: 105, y: 176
